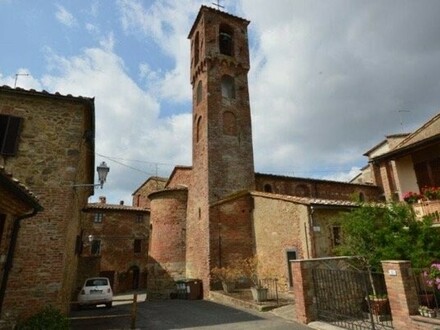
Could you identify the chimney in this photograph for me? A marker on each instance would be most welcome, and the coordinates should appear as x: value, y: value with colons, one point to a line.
x: 121, y: 203
x: 102, y: 199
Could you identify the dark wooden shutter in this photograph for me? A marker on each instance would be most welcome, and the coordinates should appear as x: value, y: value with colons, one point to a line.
x: 9, y: 131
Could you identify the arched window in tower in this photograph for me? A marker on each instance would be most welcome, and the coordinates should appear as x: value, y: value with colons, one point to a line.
x: 229, y: 123
x: 198, y: 129
x: 196, y: 49
x: 228, y: 87
x: 199, y: 93
x: 225, y: 40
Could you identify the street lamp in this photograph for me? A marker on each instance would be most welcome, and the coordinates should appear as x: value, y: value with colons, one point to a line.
x: 103, y: 170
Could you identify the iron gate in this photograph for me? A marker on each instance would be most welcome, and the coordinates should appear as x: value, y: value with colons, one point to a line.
x: 345, y: 298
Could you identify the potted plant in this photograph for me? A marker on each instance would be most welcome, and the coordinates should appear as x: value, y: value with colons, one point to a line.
x: 249, y: 267
x: 426, y: 311
x: 227, y: 275
x: 378, y: 303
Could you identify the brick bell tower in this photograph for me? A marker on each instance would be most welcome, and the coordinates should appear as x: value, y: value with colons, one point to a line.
x: 222, y: 136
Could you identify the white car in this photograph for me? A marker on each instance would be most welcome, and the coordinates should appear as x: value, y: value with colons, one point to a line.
x: 96, y: 291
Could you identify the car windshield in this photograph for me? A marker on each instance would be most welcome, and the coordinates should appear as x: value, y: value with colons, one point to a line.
x: 96, y: 282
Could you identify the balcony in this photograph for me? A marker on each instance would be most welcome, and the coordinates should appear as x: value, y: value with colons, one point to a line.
x: 422, y: 208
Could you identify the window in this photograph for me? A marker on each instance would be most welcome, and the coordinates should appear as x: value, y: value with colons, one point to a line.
x: 228, y: 87
x: 98, y: 217
x: 9, y: 131
x: 336, y: 236
x: 199, y: 124
x: 229, y: 123
x: 199, y: 93
x: 267, y: 187
x: 140, y: 218
x: 137, y: 246
x: 196, y: 49
x: 95, y: 247
x: 225, y: 40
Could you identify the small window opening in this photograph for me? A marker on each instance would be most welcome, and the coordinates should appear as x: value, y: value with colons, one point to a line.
x: 267, y: 188
x: 336, y: 236
x: 196, y: 49
x: 98, y: 217
x: 96, y: 247
x: 225, y: 37
x: 228, y: 87
x: 137, y: 246
x: 199, y: 93
x: 199, y: 127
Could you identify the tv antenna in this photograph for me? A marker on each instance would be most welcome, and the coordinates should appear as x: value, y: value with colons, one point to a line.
x: 16, y: 77
x: 218, y: 5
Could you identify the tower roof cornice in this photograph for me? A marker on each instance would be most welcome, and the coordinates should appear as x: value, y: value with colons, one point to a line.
x: 204, y: 8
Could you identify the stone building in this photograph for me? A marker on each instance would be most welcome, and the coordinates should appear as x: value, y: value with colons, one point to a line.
x: 47, y: 142
x: 17, y: 204
x: 405, y: 163
x: 219, y: 209
x: 115, y: 244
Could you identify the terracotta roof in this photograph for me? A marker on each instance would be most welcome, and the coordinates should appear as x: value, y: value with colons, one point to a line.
x: 88, y: 101
x: 306, y: 200
x: 427, y: 133
x: 151, y: 178
x: 284, y: 177
x: 44, y: 93
x: 19, y: 188
x: 203, y: 7
x: 114, y: 207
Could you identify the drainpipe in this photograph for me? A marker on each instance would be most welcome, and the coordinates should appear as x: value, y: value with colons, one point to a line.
x: 11, y: 251
x: 311, y: 253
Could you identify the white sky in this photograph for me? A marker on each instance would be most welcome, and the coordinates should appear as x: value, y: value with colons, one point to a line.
x: 328, y: 80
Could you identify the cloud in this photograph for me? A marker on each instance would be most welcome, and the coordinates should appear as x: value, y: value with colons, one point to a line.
x: 65, y: 17
x: 328, y: 79
x: 128, y: 126
x: 167, y: 24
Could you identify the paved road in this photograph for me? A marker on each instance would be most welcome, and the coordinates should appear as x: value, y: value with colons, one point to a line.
x: 183, y: 314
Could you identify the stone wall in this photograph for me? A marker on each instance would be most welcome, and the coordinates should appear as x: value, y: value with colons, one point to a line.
x: 55, y: 150
x: 279, y: 226
x: 140, y: 196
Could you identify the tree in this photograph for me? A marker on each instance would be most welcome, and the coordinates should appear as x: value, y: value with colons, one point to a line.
x: 389, y: 232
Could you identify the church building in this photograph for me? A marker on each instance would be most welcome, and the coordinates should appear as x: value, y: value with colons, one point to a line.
x: 219, y: 209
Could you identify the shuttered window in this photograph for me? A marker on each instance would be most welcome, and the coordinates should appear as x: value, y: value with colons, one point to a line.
x: 9, y: 132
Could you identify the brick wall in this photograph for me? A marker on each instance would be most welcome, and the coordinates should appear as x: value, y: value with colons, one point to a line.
x: 121, y: 225
x: 231, y: 230
x: 314, y: 188
x: 166, y: 259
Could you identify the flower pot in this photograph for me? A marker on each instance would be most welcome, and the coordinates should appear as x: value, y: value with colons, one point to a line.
x: 427, y: 299
x: 228, y: 287
x: 378, y: 306
x: 259, y: 294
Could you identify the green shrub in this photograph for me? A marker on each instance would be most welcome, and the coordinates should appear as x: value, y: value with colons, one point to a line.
x: 49, y: 318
